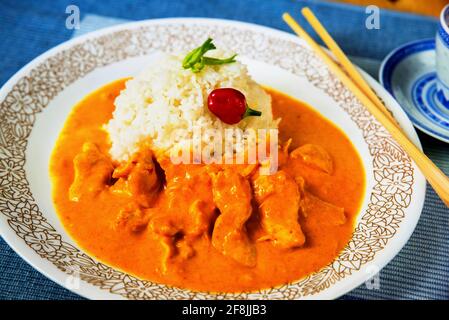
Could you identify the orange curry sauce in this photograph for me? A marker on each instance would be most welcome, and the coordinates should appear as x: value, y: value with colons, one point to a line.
x: 92, y: 221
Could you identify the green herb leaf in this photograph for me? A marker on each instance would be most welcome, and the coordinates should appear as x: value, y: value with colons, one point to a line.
x: 194, y: 56
x: 214, y: 61
x: 196, y: 60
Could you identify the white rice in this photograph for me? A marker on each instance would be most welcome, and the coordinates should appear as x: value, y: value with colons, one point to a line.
x: 165, y: 97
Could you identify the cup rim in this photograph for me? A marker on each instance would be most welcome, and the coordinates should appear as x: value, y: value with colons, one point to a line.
x: 443, y: 22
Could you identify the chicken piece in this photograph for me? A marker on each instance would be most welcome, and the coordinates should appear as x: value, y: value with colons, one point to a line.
x: 133, y: 218
x: 314, y: 156
x: 175, y: 252
x: 200, y: 218
x: 138, y: 178
x: 177, y: 241
x: 325, y: 211
x: 92, y: 172
x: 232, y: 195
x: 191, y: 224
x: 278, y: 198
x: 176, y: 226
x: 169, y: 250
x: 190, y: 189
x: 165, y: 225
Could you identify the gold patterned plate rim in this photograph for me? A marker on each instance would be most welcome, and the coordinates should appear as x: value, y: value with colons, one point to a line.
x: 395, y: 192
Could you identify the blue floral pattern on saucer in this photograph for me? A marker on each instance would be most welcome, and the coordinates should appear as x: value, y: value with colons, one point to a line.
x: 426, y: 98
x: 408, y: 73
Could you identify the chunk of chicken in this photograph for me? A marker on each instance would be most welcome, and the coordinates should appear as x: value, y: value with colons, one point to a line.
x: 200, y: 215
x: 325, y: 211
x: 92, y: 172
x: 189, y: 224
x: 138, y: 177
x: 232, y: 195
x: 133, y: 218
x: 175, y: 252
x: 177, y: 227
x: 189, y: 190
x: 278, y: 198
x: 314, y: 156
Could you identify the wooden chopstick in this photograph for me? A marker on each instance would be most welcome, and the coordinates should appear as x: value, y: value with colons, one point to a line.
x: 344, y: 61
x: 433, y: 174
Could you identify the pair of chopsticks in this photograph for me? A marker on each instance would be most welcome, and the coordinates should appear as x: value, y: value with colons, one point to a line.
x: 354, y: 81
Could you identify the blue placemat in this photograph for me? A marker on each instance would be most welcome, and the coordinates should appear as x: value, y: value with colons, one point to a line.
x: 29, y: 28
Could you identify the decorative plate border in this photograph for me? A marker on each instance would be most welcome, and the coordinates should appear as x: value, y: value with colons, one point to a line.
x: 393, y: 170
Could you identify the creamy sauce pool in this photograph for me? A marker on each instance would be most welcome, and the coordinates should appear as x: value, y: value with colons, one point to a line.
x: 92, y: 223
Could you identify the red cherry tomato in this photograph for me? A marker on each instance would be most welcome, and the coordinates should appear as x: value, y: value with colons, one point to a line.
x: 229, y: 105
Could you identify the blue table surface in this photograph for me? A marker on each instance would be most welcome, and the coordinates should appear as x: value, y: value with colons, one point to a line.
x: 29, y: 28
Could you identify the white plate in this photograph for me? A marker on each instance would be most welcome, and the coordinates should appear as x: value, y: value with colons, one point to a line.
x: 36, y: 101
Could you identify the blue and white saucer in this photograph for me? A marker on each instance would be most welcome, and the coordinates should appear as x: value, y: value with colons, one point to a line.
x: 408, y: 73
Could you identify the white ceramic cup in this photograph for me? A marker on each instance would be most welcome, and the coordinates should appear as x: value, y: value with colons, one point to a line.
x: 442, y: 59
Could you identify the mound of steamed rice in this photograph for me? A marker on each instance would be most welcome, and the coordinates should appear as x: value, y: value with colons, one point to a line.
x: 164, y: 98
